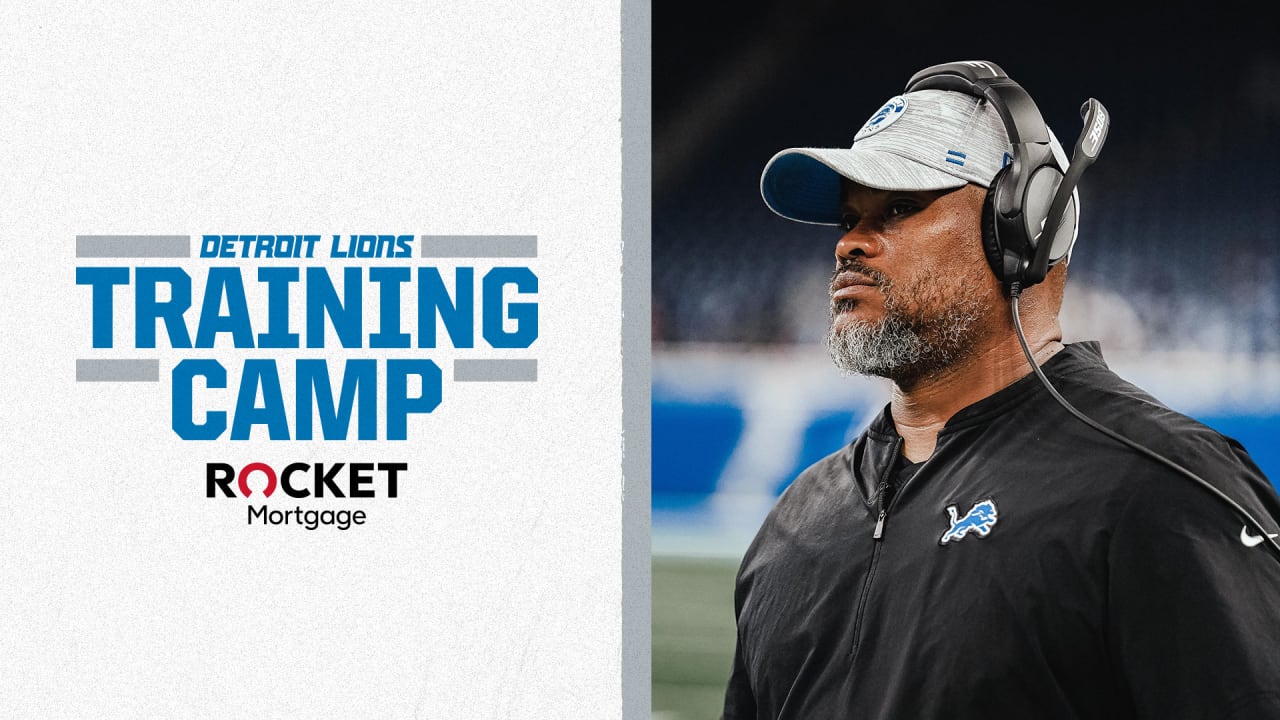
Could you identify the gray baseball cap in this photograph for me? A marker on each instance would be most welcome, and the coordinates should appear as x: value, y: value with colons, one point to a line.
x: 923, y: 140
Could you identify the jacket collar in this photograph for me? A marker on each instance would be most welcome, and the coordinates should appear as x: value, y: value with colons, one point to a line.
x: 875, y: 452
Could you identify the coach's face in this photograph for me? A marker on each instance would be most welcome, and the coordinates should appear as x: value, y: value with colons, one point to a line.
x: 912, y: 292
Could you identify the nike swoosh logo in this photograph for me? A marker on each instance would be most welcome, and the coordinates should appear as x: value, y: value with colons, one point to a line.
x: 1251, y: 540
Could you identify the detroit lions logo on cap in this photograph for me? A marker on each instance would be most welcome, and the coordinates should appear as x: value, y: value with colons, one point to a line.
x: 883, y: 118
x: 979, y: 520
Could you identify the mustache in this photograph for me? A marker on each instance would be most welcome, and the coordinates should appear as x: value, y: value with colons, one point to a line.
x: 858, y: 267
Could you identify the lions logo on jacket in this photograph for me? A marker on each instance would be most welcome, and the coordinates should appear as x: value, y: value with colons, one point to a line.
x: 980, y: 519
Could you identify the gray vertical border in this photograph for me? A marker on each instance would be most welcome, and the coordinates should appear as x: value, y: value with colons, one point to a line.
x: 637, y: 572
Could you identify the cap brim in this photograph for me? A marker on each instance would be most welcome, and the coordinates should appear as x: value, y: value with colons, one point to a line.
x: 804, y: 183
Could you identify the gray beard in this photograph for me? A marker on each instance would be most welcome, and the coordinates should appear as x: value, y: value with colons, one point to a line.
x: 903, y: 347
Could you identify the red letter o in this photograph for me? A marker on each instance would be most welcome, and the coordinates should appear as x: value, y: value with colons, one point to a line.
x: 265, y: 469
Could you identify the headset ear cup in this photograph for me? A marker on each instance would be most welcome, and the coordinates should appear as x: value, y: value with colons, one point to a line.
x: 1044, y: 252
x: 1065, y: 237
x: 990, y: 243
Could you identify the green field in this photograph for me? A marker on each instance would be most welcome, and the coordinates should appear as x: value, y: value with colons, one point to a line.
x: 693, y: 636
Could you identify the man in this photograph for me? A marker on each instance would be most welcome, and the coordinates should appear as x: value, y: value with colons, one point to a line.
x: 981, y: 550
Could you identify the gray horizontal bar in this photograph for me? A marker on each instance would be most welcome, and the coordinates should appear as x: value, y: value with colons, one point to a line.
x: 137, y: 246
x: 495, y: 370
x: 472, y: 246
x: 117, y: 370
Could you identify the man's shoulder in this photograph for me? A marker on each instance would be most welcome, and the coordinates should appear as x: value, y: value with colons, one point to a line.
x: 1133, y: 413
x: 824, y: 480
x: 820, y: 496
x: 1115, y: 402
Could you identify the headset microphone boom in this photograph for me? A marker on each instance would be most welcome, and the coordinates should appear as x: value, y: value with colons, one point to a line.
x: 1096, y: 123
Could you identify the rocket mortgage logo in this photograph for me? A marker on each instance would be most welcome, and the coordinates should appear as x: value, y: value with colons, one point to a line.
x: 290, y: 338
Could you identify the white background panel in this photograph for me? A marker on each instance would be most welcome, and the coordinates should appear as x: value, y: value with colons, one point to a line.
x: 490, y: 587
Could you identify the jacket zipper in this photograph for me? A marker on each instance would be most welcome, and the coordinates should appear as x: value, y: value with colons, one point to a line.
x: 882, y: 508
x: 884, y: 512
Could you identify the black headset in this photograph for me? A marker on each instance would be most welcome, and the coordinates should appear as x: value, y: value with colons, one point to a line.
x: 1031, y: 198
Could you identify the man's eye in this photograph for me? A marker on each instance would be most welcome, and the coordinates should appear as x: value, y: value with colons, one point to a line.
x: 848, y: 221
x: 898, y: 208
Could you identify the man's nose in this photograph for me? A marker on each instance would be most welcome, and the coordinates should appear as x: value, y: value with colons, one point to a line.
x: 858, y: 242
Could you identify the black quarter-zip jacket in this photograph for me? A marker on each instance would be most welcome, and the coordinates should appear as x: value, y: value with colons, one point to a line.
x: 1032, y: 567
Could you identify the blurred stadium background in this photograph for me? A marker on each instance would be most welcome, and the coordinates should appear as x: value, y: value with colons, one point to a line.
x: 1177, y: 269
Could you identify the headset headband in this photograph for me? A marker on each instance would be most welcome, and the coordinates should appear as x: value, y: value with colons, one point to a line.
x: 1022, y: 119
